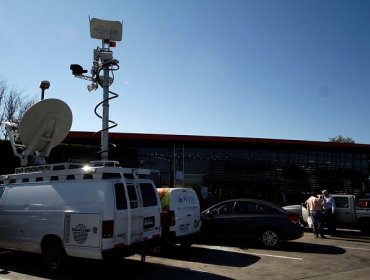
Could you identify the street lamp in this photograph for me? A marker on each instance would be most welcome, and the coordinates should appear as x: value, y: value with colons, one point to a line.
x: 44, y: 85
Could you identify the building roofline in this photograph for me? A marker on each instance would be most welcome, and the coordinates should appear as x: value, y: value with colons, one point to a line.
x: 74, y: 135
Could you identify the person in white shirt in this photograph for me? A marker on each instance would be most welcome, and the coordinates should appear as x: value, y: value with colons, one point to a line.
x: 329, y: 212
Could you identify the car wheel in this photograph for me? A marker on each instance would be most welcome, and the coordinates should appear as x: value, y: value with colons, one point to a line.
x: 270, y: 238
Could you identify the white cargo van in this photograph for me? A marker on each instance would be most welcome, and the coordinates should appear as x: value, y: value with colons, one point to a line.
x: 95, y: 211
x: 180, y: 217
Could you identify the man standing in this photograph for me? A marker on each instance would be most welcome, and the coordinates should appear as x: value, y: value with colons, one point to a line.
x: 314, y: 208
x: 329, y: 211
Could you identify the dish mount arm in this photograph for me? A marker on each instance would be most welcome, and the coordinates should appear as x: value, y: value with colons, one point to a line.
x: 44, y: 137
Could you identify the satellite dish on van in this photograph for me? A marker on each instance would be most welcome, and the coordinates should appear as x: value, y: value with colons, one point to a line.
x: 45, y: 125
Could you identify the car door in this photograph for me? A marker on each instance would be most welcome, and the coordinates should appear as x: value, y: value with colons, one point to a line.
x: 245, y: 218
x: 218, y: 221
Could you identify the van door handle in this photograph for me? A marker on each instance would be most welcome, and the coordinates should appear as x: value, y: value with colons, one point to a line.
x: 189, y: 215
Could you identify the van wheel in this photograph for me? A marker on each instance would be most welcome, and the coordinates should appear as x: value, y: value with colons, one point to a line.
x: 55, y: 257
x: 270, y: 238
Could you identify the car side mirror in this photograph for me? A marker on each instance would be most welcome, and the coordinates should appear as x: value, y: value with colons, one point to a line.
x: 209, y: 214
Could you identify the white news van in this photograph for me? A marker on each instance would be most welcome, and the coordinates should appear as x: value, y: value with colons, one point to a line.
x: 95, y: 211
x: 180, y: 216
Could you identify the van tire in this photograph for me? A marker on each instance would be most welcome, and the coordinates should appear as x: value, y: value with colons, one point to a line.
x: 55, y: 258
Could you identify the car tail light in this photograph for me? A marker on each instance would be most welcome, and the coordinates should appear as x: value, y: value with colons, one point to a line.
x: 108, y: 228
x: 293, y: 218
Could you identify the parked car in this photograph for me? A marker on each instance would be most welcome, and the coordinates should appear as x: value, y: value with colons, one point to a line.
x: 251, y: 219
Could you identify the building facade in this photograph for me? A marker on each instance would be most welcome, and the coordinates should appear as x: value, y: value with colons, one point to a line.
x: 282, y: 171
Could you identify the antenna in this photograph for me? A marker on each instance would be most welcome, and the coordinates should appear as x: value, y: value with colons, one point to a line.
x: 108, y: 32
x: 42, y: 127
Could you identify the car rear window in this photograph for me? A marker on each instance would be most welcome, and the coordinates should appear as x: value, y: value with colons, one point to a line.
x: 266, y: 209
x: 244, y: 207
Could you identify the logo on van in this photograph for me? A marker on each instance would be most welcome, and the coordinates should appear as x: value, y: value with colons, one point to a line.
x: 80, y: 233
x: 186, y: 199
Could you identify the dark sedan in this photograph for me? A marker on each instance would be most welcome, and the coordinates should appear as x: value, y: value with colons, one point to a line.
x: 251, y: 219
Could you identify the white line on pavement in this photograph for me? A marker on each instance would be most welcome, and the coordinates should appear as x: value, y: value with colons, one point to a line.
x: 231, y: 249
x: 277, y: 256
x: 354, y: 248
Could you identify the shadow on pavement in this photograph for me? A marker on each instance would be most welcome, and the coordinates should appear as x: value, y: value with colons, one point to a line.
x: 24, y: 263
x: 290, y: 246
x: 312, y: 248
x: 346, y: 235
x: 209, y: 256
x: 31, y: 265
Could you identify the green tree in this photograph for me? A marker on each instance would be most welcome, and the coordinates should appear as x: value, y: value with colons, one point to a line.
x: 341, y: 139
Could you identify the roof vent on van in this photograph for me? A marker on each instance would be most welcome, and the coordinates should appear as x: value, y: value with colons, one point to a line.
x: 109, y: 163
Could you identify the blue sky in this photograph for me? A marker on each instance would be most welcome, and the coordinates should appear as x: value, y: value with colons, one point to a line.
x: 280, y: 69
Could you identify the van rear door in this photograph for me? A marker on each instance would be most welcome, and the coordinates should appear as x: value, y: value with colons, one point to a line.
x: 139, y: 215
x: 128, y: 217
x: 185, y: 204
x: 122, y: 217
x: 151, y: 210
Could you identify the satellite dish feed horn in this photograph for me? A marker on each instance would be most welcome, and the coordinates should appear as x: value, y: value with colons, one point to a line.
x: 42, y: 127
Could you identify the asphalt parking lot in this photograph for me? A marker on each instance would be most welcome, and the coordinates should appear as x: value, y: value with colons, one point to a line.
x: 346, y: 256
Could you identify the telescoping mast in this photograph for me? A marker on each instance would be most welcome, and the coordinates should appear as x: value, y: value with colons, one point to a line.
x: 109, y: 32
x: 48, y: 122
